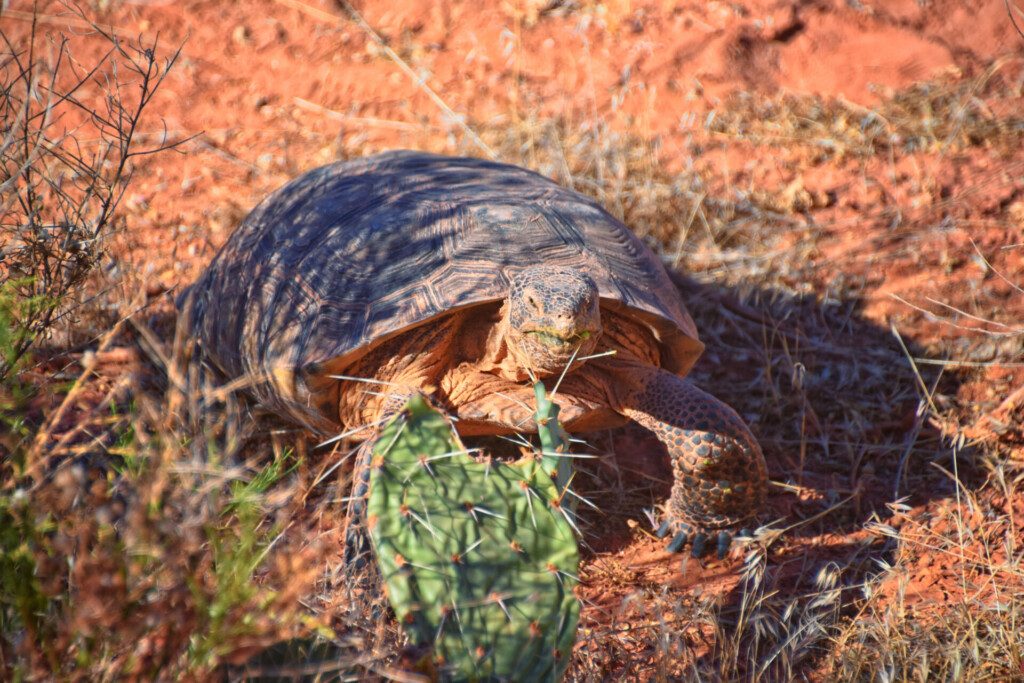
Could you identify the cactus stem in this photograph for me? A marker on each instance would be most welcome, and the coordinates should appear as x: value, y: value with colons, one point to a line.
x: 474, y: 564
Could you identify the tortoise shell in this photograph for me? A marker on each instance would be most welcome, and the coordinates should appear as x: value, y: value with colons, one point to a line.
x: 351, y: 254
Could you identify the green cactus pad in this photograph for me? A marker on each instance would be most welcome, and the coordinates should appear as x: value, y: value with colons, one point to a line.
x: 478, y: 558
x: 553, y: 438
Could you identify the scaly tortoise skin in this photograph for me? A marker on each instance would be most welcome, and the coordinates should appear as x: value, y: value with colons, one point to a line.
x: 453, y: 276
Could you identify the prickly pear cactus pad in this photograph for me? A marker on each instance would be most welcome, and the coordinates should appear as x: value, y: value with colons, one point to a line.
x: 477, y: 557
x: 553, y: 438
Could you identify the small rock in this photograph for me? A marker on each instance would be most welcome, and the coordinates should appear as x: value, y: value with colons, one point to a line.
x: 241, y: 35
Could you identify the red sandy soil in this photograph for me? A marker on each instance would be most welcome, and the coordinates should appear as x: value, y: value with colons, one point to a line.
x: 272, y: 88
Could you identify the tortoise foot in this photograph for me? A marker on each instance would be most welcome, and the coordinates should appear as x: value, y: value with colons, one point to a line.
x: 719, y: 474
x: 700, y: 541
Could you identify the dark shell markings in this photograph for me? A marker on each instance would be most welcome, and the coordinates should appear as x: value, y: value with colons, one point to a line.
x: 350, y: 254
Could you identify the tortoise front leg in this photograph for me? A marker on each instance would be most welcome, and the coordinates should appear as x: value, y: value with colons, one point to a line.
x: 356, y: 542
x: 719, y: 471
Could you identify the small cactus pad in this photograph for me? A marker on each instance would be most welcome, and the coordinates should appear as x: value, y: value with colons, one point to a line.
x: 553, y: 438
x: 478, y: 558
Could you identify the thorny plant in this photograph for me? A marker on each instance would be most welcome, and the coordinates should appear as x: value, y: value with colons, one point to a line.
x: 66, y: 158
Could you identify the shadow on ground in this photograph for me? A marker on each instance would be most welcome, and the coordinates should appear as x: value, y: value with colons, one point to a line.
x: 835, y: 401
x: 837, y: 404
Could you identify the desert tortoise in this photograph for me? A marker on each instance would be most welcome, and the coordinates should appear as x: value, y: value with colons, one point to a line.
x: 460, y: 277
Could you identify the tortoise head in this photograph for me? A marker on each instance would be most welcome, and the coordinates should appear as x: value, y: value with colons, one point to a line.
x: 553, y: 313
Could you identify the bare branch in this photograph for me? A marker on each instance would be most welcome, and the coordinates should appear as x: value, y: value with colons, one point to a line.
x: 60, y: 196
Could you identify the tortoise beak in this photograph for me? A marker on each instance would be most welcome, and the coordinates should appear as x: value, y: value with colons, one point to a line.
x: 558, y: 339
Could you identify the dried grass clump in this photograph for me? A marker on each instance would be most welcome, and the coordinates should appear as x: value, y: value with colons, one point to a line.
x: 150, y: 533
x: 950, y: 112
x: 949, y: 606
x: 675, y: 212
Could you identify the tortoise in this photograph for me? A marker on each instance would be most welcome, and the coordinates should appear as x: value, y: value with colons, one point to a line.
x: 462, y: 278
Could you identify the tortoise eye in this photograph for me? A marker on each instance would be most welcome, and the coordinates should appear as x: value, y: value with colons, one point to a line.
x: 532, y: 302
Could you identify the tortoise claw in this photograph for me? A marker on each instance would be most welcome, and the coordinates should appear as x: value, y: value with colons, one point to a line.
x: 677, y: 543
x: 699, y: 542
x: 724, y: 541
x: 357, y: 547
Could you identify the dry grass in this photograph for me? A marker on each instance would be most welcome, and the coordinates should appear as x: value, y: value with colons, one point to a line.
x: 148, y: 523
x: 950, y: 113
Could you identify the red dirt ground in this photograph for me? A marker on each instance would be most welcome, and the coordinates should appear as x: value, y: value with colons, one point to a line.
x: 272, y: 88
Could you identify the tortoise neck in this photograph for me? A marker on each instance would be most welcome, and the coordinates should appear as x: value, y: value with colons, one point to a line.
x: 497, y: 357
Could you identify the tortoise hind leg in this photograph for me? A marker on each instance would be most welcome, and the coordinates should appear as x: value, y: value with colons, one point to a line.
x: 356, y: 543
x: 718, y: 469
